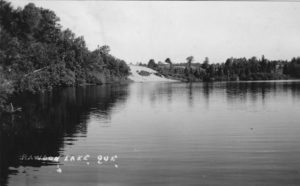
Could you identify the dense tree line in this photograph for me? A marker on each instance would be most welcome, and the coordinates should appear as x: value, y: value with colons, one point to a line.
x: 231, y: 69
x: 36, y: 54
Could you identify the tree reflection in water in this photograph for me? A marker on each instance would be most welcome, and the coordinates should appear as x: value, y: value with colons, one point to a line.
x: 48, y: 119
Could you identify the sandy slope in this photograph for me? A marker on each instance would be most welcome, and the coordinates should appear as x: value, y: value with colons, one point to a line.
x: 151, y: 78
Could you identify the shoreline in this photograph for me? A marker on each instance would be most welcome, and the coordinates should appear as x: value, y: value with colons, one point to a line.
x: 4, y: 109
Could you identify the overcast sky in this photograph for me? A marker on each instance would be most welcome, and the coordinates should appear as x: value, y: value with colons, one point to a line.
x: 138, y: 31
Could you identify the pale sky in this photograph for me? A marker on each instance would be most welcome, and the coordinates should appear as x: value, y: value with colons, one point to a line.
x: 138, y: 31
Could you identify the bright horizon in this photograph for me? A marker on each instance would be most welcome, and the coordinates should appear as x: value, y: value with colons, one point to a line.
x: 139, y: 31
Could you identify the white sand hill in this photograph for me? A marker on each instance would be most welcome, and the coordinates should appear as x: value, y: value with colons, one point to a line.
x: 136, y: 77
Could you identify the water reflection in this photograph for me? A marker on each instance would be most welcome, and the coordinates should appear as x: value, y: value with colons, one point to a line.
x: 234, y: 91
x: 223, y: 133
x: 260, y: 91
x: 51, y: 120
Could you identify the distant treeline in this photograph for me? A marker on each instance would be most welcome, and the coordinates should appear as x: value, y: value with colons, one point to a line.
x: 231, y: 70
x: 36, y: 54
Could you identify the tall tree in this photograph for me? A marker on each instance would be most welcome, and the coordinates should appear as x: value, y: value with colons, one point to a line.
x: 205, y: 63
x: 189, y: 59
x: 168, y: 60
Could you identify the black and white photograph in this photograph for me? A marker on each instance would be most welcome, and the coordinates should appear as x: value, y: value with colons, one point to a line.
x: 149, y: 93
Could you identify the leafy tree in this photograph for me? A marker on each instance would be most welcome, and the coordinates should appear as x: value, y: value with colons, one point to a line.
x: 168, y: 60
x: 189, y: 59
x: 30, y: 18
x: 37, y: 55
x: 235, y: 69
x: 152, y: 64
x: 104, y: 49
x: 205, y: 63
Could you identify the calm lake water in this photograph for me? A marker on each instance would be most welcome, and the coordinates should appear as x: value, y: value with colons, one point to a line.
x: 228, y: 133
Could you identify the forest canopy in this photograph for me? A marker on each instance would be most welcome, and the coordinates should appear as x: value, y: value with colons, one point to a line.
x: 36, y: 54
x: 232, y: 69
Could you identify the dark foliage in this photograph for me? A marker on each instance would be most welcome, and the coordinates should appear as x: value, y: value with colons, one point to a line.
x: 143, y: 73
x: 232, y: 70
x: 37, y: 55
